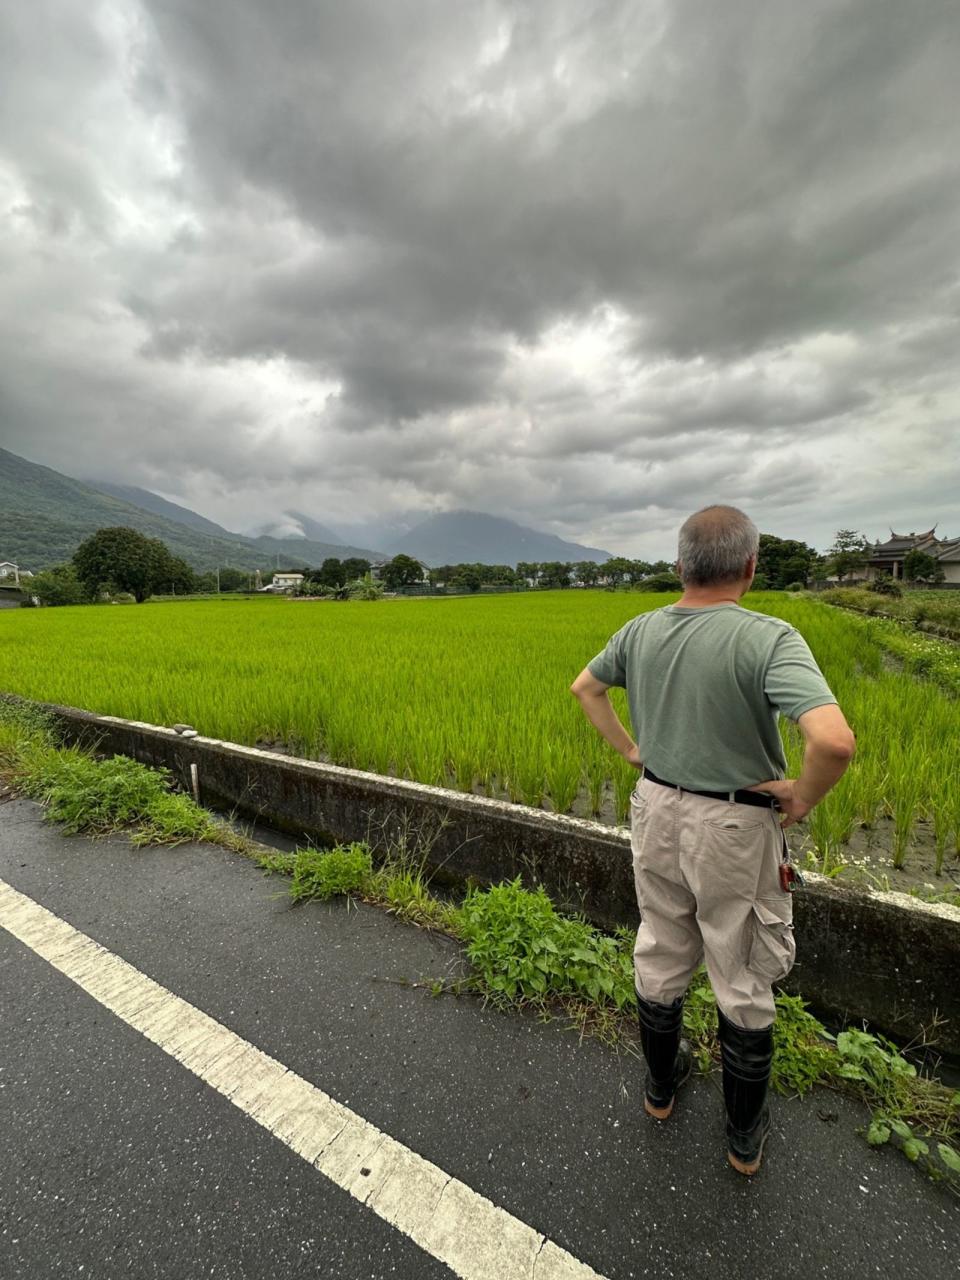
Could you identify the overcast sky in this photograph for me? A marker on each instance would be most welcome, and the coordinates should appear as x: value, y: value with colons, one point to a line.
x: 587, y: 265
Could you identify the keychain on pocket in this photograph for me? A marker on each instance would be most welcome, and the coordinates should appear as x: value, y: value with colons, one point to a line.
x: 790, y: 877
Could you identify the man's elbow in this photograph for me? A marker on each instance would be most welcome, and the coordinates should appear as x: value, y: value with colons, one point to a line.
x: 841, y: 746
x: 586, y: 685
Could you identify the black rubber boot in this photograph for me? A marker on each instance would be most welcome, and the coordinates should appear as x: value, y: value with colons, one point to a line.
x: 669, y: 1058
x: 747, y: 1056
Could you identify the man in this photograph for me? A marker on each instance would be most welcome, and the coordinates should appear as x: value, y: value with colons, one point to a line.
x: 706, y: 681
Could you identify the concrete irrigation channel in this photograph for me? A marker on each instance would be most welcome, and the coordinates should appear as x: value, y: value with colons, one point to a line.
x: 885, y: 958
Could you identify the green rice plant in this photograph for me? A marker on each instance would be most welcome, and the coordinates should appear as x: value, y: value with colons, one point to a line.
x: 563, y: 776
x: 941, y: 811
x: 596, y: 777
x: 625, y: 778
x: 907, y: 769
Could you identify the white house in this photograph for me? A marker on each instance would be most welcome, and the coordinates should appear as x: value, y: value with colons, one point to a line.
x: 284, y: 582
x: 10, y: 570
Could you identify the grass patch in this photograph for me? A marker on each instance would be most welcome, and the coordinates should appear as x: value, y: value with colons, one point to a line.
x: 97, y: 797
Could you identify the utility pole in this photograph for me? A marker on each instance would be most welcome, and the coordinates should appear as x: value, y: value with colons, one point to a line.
x: 218, y: 579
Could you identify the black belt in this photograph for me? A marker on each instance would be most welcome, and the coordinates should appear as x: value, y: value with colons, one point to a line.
x: 737, y: 797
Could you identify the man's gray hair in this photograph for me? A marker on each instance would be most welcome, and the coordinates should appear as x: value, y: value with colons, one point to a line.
x: 715, y: 545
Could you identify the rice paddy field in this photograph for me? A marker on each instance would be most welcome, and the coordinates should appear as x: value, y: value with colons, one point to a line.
x: 472, y: 693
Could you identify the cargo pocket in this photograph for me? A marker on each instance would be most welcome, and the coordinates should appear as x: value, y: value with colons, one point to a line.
x: 773, y: 948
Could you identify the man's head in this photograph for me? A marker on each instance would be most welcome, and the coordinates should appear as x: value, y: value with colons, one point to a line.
x: 718, y: 547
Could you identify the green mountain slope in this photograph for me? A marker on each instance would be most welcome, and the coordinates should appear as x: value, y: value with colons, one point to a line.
x: 44, y: 516
x: 152, y: 502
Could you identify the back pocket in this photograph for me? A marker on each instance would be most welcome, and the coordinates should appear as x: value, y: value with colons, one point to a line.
x: 773, y: 947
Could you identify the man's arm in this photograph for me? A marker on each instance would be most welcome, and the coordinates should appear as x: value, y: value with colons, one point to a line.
x: 829, y: 746
x: 591, y: 693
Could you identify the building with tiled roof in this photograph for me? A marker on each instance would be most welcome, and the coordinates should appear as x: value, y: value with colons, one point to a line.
x: 888, y: 557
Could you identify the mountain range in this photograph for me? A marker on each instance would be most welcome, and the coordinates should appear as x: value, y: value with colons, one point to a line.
x: 45, y: 515
x: 458, y: 537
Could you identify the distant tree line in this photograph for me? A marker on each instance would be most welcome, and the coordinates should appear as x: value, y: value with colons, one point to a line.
x: 121, y: 561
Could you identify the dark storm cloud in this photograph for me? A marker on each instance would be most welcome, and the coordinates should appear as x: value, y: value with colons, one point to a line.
x: 582, y: 264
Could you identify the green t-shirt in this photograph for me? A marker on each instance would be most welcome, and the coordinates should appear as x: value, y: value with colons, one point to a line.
x: 705, y: 687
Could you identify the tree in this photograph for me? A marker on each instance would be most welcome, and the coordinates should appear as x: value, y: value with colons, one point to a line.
x: 466, y: 578
x: 170, y: 573
x: 555, y: 573
x: 122, y: 559
x: 401, y: 571
x: 498, y: 575
x: 616, y: 569
x: 119, y: 559
x: 783, y: 560
x: 918, y: 566
x: 638, y: 570
x: 587, y: 572
x: 233, y: 579
x: 850, y: 552
x: 332, y: 573
x: 355, y: 567
x: 528, y: 570
x: 57, y: 586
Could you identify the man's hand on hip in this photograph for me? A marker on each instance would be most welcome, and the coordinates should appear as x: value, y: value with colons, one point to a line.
x: 792, y: 806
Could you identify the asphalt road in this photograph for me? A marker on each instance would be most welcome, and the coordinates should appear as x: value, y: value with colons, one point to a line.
x: 117, y: 1161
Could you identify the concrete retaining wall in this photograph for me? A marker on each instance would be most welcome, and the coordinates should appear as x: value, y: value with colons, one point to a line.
x: 886, y: 958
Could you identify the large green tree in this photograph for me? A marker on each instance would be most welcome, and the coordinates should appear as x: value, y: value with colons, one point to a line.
x: 617, y: 569
x: 555, y: 573
x: 781, y: 561
x: 401, y: 571
x: 332, y: 573
x: 355, y: 567
x: 121, y: 559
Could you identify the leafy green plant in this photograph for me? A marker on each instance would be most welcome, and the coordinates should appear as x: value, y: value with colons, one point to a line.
x: 520, y: 946
x: 324, y: 874
x: 802, y: 1049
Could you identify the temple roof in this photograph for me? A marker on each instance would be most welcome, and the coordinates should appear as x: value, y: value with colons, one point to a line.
x: 905, y: 541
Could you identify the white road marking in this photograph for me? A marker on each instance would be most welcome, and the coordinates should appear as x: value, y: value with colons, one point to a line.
x: 474, y: 1237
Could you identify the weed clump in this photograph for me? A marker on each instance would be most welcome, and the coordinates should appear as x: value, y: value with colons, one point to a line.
x: 520, y: 946
x: 323, y: 874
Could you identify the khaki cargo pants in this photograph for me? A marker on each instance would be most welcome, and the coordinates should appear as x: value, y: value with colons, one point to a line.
x: 708, y: 888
